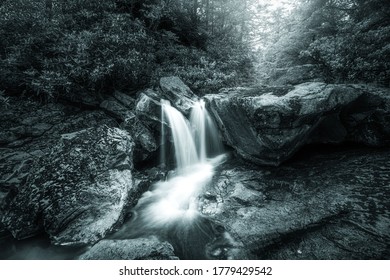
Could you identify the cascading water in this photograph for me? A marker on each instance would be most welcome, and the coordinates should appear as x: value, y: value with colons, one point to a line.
x: 170, y: 209
x: 185, y: 150
x: 204, y: 132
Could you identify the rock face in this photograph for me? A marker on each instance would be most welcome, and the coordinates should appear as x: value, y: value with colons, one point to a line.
x: 116, y: 109
x: 333, y: 204
x: 269, y: 128
x: 29, y: 130
x: 126, y: 100
x: 142, y: 117
x: 131, y: 249
x: 145, y: 141
x: 178, y: 93
x: 129, y: 113
x: 148, y: 108
x: 76, y: 193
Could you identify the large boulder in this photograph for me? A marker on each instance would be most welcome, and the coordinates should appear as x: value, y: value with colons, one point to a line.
x: 138, y: 117
x: 131, y: 249
x: 148, y: 103
x: 268, y: 128
x: 77, y: 192
x: 148, y: 109
x: 178, y: 93
x: 116, y: 109
x: 120, y: 106
x: 30, y: 130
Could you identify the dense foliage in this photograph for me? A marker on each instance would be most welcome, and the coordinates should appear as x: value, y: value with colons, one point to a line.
x: 349, y: 40
x: 55, y: 47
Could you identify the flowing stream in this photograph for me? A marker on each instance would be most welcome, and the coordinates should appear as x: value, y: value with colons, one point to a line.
x: 170, y: 208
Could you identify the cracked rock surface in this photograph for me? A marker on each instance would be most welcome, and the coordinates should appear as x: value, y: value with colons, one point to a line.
x: 325, y: 205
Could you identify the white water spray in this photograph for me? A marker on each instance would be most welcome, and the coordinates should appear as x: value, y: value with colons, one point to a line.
x: 193, y: 141
x: 204, y: 132
x: 174, y: 202
x: 185, y: 150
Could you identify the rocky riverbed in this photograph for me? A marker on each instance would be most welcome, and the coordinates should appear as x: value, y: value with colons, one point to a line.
x: 326, y: 203
x: 307, y: 176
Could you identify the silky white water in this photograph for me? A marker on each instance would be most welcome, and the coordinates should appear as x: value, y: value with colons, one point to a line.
x: 204, y: 132
x: 183, y: 141
x: 171, y: 206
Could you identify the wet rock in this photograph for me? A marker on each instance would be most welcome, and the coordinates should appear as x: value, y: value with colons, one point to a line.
x: 178, y: 93
x: 268, y: 128
x: 125, y: 99
x: 145, y: 141
x: 148, y: 109
x: 116, y: 109
x: 76, y: 193
x: 324, y: 205
x: 131, y: 249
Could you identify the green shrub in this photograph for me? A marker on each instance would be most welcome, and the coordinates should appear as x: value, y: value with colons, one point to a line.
x: 93, y: 47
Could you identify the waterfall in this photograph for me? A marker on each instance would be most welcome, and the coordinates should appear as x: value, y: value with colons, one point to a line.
x: 194, y: 141
x: 204, y: 132
x: 172, y: 205
x: 183, y: 141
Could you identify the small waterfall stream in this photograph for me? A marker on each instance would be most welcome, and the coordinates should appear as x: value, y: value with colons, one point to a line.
x: 184, y: 145
x: 170, y: 208
x: 204, y: 132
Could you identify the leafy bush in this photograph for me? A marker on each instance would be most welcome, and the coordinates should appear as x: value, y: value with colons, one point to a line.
x: 96, y: 47
x: 349, y: 41
x: 353, y: 56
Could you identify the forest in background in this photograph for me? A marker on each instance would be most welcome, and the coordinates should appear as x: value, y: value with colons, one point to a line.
x: 57, y: 48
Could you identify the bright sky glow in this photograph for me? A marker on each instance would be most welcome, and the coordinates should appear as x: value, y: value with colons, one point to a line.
x: 277, y: 4
x: 267, y: 20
